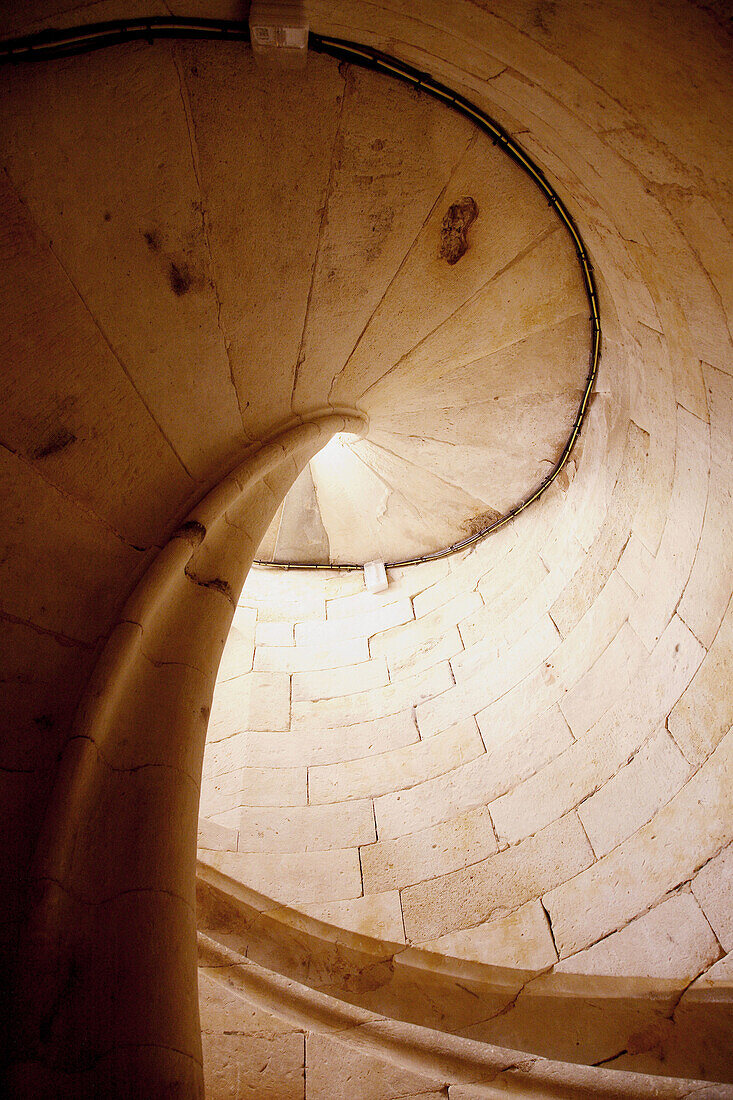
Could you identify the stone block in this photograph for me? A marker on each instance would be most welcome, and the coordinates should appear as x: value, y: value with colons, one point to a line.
x: 689, y: 830
x: 335, y: 631
x: 378, y: 915
x: 512, y: 754
x: 502, y: 882
x: 216, y: 837
x: 635, y: 793
x: 336, y: 683
x: 713, y: 888
x: 607, y: 679
x: 322, y: 746
x: 255, y: 701
x: 275, y: 634
x: 424, y: 655
x: 592, y: 760
x: 501, y: 600
x: 672, y: 940
x: 673, y: 562
x: 704, y: 713
x: 340, y: 1072
x: 368, y: 705
x: 308, y: 658
x: 606, y: 549
x: 520, y: 940
x: 399, y: 768
x: 294, y: 878
x: 306, y: 828
x: 253, y: 787
x: 428, y: 853
x: 486, y: 673
x: 707, y: 591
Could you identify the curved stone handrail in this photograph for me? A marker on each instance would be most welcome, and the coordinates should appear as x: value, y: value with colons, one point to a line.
x: 414, y: 988
x: 491, y: 1070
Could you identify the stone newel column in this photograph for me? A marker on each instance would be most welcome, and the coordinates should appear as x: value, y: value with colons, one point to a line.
x: 107, y: 989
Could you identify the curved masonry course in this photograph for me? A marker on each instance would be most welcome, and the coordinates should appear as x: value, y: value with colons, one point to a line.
x: 480, y: 820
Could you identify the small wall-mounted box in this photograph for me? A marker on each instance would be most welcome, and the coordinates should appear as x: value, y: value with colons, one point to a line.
x: 375, y: 576
x: 279, y: 33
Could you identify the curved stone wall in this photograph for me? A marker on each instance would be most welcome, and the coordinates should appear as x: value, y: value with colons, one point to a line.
x: 596, y: 635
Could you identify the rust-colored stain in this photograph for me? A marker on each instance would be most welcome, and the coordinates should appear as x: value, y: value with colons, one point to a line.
x: 459, y: 216
x: 475, y: 524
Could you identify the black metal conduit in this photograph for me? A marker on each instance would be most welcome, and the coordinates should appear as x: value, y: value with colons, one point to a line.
x: 54, y: 44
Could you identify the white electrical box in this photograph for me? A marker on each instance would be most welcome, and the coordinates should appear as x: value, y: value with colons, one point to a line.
x: 279, y: 33
x: 375, y: 576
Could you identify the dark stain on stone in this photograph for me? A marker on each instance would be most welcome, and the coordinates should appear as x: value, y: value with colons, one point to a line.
x: 205, y: 712
x: 459, y: 216
x: 543, y: 14
x: 216, y: 583
x: 60, y: 439
x: 107, y: 216
x: 180, y: 279
x: 152, y: 240
x: 219, y: 585
x: 191, y: 529
x: 44, y: 722
x: 478, y: 523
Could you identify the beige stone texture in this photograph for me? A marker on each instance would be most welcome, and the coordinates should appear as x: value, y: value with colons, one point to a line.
x: 396, y: 769
x: 598, y: 689
x: 427, y: 853
x: 511, y: 755
x: 256, y: 700
x: 304, y: 658
x: 635, y: 564
x: 247, y: 1051
x: 673, y: 560
x: 485, y: 674
x: 333, y: 632
x: 274, y: 634
x: 589, y: 762
x: 378, y: 915
x: 335, y: 1070
x: 305, y: 828
x: 704, y: 714
x: 505, y: 881
x: 380, y: 702
x: 335, y: 682
x: 254, y: 787
x: 295, y: 878
x: 687, y: 832
x: 705, y: 597
x: 521, y: 939
x: 316, y: 746
x: 713, y: 888
x: 238, y: 655
x: 606, y: 549
x: 212, y: 266
x: 634, y: 794
x: 424, y: 654
x: 673, y: 939
x: 501, y: 600
x: 216, y: 837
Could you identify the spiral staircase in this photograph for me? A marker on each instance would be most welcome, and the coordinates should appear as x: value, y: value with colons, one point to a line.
x: 466, y: 837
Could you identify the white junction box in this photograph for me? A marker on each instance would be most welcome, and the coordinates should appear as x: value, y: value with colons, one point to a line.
x: 279, y: 33
x: 375, y: 576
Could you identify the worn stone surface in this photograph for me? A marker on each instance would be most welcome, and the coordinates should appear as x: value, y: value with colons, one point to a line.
x: 172, y: 298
